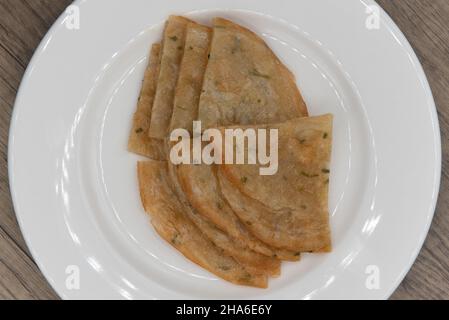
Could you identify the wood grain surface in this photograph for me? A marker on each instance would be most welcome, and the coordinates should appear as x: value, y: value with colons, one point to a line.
x: 23, y: 23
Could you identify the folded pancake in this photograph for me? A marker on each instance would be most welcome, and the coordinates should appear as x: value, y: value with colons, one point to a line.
x: 187, y: 95
x: 139, y: 141
x: 198, y: 183
x: 201, y: 187
x: 190, y: 81
x: 253, y: 262
x: 245, y: 83
x: 172, y: 52
x: 289, y: 209
x: 169, y: 220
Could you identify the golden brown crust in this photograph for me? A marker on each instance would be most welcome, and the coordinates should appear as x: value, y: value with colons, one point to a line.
x: 139, y: 142
x: 290, y: 208
x: 236, y: 228
x: 200, y: 185
x: 172, y: 53
x: 171, y: 223
x: 245, y: 83
x: 193, y: 66
x: 253, y: 262
x: 187, y: 95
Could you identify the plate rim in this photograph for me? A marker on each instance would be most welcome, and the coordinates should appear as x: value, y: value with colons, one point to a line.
x: 437, y: 139
x: 390, y: 24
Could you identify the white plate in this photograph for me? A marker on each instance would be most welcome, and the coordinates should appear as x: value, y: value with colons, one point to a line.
x: 74, y: 184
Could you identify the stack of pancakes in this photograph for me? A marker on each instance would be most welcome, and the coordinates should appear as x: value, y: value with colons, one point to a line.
x: 229, y: 219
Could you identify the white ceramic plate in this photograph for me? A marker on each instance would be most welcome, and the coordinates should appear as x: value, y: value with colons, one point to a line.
x: 74, y: 184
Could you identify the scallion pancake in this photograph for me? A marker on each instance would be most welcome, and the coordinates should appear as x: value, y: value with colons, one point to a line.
x: 139, y: 141
x: 172, y: 53
x: 169, y: 220
x: 289, y: 209
x: 245, y: 83
x: 190, y: 80
x: 202, y: 190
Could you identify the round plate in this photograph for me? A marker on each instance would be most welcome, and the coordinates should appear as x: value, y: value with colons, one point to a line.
x: 74, y: 184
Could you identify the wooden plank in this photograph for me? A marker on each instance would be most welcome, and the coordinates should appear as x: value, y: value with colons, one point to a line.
x: 19, y: 276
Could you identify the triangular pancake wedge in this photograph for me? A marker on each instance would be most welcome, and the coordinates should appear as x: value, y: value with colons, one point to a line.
x: 290, y: 208
x: 171, y: 224
x: 245, y: 83
x: 191, y: 74
x: 172, y: 53
x: 139, y: 141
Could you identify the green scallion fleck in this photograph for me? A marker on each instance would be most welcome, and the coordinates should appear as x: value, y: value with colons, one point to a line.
x: 174, y: 240
x: 308, y: 175
x: 256, y: 73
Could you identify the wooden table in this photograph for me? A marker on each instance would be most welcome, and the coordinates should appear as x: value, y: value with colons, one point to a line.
x: 23, y: 23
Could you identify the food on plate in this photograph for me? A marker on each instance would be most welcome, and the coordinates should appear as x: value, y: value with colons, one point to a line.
x: 296, y: 213
x: 187, y: 94
x: 171, y: 56
x: 199, y: 181
x: 139, y: 141
x: 228, y: 218
x: 245, y: 83
x: 190, y: 80
x: 200, y: 185
x: 172, y: 225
